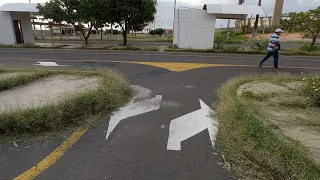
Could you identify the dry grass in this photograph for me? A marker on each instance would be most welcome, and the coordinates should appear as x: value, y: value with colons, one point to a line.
x: 255, y: 148
x: 112, y: 93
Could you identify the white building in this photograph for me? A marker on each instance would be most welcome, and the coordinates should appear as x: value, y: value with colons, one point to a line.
x: 194, y: 28
x: 15, y: 23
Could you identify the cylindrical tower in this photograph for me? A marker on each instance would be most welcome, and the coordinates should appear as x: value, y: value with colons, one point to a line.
x: 278, y: 6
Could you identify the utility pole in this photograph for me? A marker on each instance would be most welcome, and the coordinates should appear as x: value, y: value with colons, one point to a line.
x: 255, y: 28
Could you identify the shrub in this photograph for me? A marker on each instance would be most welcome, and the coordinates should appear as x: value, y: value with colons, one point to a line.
x: 114, y: 32
x: 311, y: 89
x: 308, y: 48
x: 158, y: 32
x: 262, y: 45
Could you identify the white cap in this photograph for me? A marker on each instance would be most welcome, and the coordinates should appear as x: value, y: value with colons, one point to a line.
x: 279, y: 30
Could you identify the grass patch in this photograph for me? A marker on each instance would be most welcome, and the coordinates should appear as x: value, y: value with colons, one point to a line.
x: 112, y: 93
x: 127, y: 48
x: 251, y: 145
x: 31, y: 46
x: 234, y: 37
x: 308, y: 48
x: 229, y: 50
x: 22, y: 78
x: 151, y: 49
x: 238, y: 50
x: 311, y: 89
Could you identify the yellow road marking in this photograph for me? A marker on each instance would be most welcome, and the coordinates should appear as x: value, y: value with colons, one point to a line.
x: 53, y: 157
x: 180, y: 67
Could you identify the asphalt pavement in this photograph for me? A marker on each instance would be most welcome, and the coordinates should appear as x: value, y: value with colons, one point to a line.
x: 158, y: 143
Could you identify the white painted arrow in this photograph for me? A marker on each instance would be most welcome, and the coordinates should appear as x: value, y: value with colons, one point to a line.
x: 49, y: 64
x: 190, y: 125
x: 134, y: 109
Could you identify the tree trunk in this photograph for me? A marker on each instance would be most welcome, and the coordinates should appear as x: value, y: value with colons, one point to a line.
x: 60, y: 31
x: 41, y: 32
x: 313, y: 41
x: 86, y: 40
x: 125, y: 34
x: 51, y: 34
x: 254, y: 32
x: 125, y: 41
x: 101, y: 31
x: 86, y: 37
x: 111, y: 31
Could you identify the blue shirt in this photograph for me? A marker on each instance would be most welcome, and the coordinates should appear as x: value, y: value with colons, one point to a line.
x: 273, y: 43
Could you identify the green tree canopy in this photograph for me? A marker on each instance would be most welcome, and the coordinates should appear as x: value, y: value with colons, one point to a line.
x: 305, y: 21
x: 126, y: 12
x: 53, y: 11
x: 159, y: 31
x: 90, y: 12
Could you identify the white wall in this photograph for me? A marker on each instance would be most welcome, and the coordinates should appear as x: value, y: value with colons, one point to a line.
x: 6, y: 29
x: 26, y: 24
x: 194, y: 29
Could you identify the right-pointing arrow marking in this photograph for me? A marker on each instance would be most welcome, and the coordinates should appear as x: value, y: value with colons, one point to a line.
x: 134, y: 109
x: 191, y: 124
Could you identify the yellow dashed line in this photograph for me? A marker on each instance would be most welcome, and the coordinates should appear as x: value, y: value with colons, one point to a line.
x: 53, y: 157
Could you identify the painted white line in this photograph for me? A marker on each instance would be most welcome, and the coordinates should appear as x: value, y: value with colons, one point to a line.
x: 190, y: 125
x: 48, y: 64
x: 133, y: 109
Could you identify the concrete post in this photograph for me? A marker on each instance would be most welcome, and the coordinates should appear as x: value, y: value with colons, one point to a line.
x: 278, y: 6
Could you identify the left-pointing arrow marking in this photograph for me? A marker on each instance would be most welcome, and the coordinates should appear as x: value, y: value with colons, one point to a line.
x: 191, y: 124
x: 134, y: 109
x: 49, y: 64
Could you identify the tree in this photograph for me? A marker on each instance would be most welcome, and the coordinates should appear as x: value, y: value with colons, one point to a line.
x: 158, y: 31
x: 126, y: 12
x: 88, y: 12
x: 138, y: 27
x: 53, y: 12
x: 305, y: 21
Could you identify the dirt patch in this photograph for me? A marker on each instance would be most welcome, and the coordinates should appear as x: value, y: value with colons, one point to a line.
x: 308, y: 137
x: 293, y: 85
x: 46, y: 91
x: 286, y: 37
x: 4, y: 76
x: 261, y: 88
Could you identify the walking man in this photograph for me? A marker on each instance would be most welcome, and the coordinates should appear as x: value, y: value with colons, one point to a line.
x: 273, y: 49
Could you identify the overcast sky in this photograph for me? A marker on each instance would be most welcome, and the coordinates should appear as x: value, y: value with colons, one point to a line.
x: 165, y: 7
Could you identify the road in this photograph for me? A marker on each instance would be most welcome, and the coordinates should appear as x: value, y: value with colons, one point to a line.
x: 145, y: 146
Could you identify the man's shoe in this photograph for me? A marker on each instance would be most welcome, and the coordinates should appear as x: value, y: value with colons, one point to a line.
x: 260, y: 66
x: 275, y: 69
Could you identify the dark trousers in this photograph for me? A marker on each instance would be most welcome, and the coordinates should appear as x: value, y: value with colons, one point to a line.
x: 275, y: 55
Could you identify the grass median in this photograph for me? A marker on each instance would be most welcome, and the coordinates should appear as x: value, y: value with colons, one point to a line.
x: 256, y: 147
x: 112, y: 92
x: 238, y: 50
